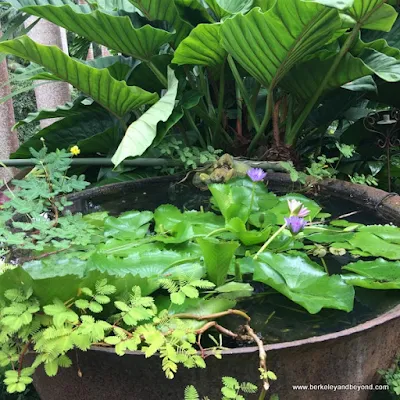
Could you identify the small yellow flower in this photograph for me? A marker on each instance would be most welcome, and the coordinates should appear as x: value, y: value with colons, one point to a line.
x: 75, y: 150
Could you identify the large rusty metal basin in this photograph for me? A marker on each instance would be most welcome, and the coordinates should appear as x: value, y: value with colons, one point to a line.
x: 349, y: 358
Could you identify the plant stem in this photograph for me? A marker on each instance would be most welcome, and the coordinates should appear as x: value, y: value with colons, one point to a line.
x: 262, y: 354
x: 325, y: 266
x: 251, y: 202
x: 310, y: 105
x: 262, y: 394
x: 265, y: 121
x: 221, y: 95
x: 270, y: 240
x: 244, y: 93
x: 194, y: 127
x: 205, y: 87
x: 212, y: 316
x: 239, y: 119
x: 160, y: 76
x: 238, y: 273
x: 219, y: 230
x: 254, y: 96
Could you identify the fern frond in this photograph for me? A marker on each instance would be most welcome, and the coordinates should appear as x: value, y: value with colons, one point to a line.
x: 169, y: 285
x: 230, y: 382
x: 191, y: 393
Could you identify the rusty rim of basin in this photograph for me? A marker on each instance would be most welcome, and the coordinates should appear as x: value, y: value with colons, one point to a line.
x: 383, y: 204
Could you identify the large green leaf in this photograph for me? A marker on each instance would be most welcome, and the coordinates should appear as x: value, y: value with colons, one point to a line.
x: 164, y: 10
x: 201, y: 47
x: 66, y: 110
x: 142, y: 132
x: 386, y: 67
x: 232, y: 199
x: 374, y: 245
x: 376, y: 274
x: 304, y: 79
x: 380, y: 45
x: 225, y: 8
x: 247, y: 237
x: 340, y: 4
x: 373, y: 14
x: 193, y: 12
x: 72, y: 130
x: 168, y: 216
x: 116, y: 33
x: 269, y: 44
x: 218, y: 256
x: 112, y: 94
x: 130, y: 225
x: 303, y: 281
x: 265, y: 5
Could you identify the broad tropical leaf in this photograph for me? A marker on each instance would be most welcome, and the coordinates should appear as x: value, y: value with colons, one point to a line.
x: 71, y: 130
x: 265, y: 5
x: 164, y: 10
x: 380, y: 45
x: 269, y: 44
x: 340, y: 4
x: 116, y: 33
x: 193, y: 12
x: 303, y: 281
x: 304, y: 79
x: 373, y: 14
x: 387, y: 68
x: 114, y: 95
x: 218, y: 256
x: 201, y: 47
x: 66, y: 110
x: 142, y: 132
x: 225, y: 8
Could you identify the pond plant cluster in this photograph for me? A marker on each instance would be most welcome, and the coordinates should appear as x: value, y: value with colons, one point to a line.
x: 160, y: 280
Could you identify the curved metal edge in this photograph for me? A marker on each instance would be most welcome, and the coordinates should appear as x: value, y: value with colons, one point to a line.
x: 388, y: 316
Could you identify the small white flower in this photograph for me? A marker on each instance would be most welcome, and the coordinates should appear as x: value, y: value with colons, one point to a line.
x: 297, y: 209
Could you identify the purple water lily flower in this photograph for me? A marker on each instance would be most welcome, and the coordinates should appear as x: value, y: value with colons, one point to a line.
x: 256, y: 174
x: 295, y: 224
x: 304, y: 211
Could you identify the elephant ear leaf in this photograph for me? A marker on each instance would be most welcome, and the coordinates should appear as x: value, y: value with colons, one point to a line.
x: 141, y: 133
x: 116, y: 96
x: 373, y: 14
x: 165, y: 10
x: 269, y: 44
x: 201, y: 47
x: 114, y: 32
x: 225, y: 8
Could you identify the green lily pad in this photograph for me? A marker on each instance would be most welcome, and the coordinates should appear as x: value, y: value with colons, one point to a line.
x: 375, y: 274
x: 304, y: 282
x: 375, y: 246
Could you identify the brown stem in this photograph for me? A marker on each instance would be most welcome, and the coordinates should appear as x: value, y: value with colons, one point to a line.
x: 275, y: 124
x: 212, y: 316
x: 213, y: 324
x: 202, y: 351
x: 46, y: 254
x: 262, y: 354
x: 22, y: 355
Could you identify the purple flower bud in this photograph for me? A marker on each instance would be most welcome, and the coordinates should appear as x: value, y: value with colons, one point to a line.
x: 304, y: 211
x: 256, y: 174
x: 295, y: 224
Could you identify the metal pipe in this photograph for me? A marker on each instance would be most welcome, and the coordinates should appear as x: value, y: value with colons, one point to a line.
x: 140, y: 162
x: 104, y: 162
